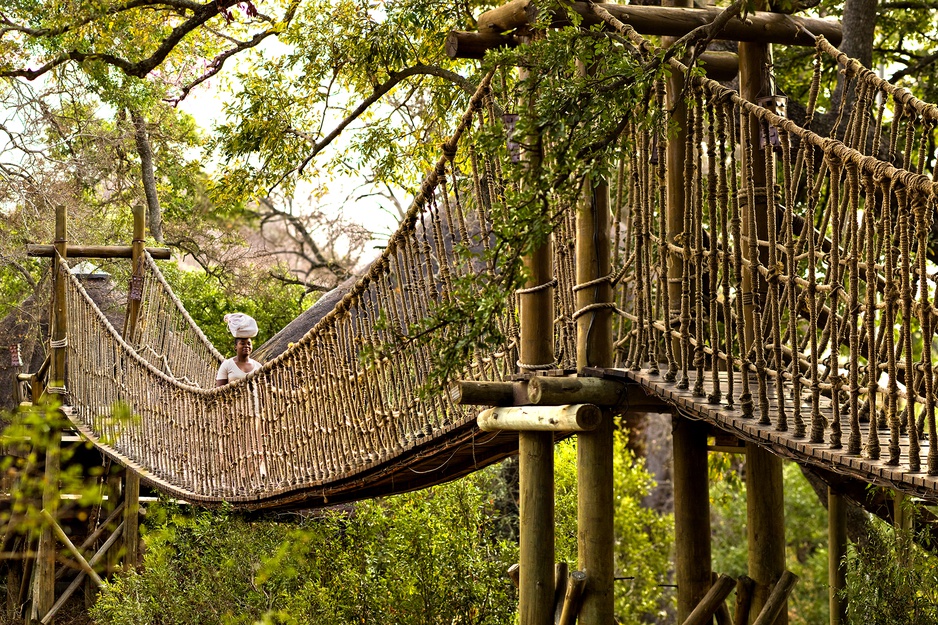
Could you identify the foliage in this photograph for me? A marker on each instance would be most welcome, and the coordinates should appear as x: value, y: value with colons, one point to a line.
x: 891, y: 579
x: 806, y: 539
x: 272, y: 304
x: 432, y: 556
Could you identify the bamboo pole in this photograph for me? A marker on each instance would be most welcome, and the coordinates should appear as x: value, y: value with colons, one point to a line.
x: 595, y: 536
x: 572, y: 418
x: 836, y: 554
x: 536, y: 449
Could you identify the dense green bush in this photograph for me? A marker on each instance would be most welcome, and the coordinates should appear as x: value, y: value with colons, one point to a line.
x: 891, y: 580
x: 436, y: 556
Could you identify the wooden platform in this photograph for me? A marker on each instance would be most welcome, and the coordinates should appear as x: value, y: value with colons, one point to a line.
x: 785, y: 444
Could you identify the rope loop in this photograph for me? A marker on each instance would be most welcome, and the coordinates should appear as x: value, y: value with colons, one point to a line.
x: 63, y: 342
x: 544, y: 367
x: 595, y: 282
x: 592, y: 307
x: 537, y: 288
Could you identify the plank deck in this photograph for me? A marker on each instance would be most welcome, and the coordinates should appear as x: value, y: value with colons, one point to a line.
x: 731, y: 419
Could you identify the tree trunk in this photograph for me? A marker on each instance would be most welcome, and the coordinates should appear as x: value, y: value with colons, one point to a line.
x: 154, y: 214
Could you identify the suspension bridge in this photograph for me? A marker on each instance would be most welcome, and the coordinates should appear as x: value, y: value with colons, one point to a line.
x: 773, y: 282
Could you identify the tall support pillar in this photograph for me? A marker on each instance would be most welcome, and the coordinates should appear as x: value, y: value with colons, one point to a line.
x: 44, y: 586
x: 765, y: 493
x: 536, y: 449
x: 131, y: 485
x: 765, y: 503
x: 595, y: 537
x: 836, y: 552
x: 691, y: 484
x: 692, y: 561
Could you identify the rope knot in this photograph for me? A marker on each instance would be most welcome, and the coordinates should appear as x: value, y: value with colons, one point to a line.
x: 449, y: 150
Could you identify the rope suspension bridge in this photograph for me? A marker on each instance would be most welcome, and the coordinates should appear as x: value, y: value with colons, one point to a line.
x: 791, y: 305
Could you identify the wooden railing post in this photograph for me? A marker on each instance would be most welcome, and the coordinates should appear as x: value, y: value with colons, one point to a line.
x: 536, y: 449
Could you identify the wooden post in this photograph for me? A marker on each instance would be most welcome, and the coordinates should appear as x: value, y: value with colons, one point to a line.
x: 113, y: 489
x: 536, y: 449
x: 674, y: 157
x: 765, y: 498
x: 765, y: 493
x: 691, y: 515
x: 709, y: 604
x: 131, y: 484
x: 595, y: 536
x: 131, y: 535
x: 44, y: 596
x: 837, y: 551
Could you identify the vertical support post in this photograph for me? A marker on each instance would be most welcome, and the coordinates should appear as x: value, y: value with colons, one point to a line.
x: 692, y: 549
x: 837, y: 551
x: 595, y: 535
x: 45, y: 559
x: 536, y: 449
x: 131, y: 534
x: 674, y: 159
x: 113, y: 486
x: 765, y: 503
x: 765, y: 492
x: 131, y: 486
x: 691, y: 483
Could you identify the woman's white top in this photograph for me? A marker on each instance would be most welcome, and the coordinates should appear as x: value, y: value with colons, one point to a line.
x: 230, y: 372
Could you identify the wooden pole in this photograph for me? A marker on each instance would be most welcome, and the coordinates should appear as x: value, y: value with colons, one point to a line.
x: 836, y: 554
x: 536, y: 449
x: 776, y: 604
x: 692, y: 561
x: 765, y: 493
x: 595, y: 536
x: 113, y: 486
x: 711, y: 602
x: 131, y: 519
x: 550, y: 391
x: 572, y: 600
x: 743, y: 600
x: 765, y: 499
x: 96, y: 251
x: 45, y: 558
x: 759, y: 26
x: 472, y: 393
x: 570, y: 418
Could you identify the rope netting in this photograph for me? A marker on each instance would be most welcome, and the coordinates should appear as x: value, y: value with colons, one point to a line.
x: 810, y: 272
x: 343, y: 399
x: 165, y: 335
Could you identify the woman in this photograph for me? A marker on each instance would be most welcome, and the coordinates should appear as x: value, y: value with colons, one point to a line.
x: 239, y: 366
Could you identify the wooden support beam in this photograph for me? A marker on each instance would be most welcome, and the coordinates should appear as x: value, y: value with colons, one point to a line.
x: 573, y: 598
x: 96, y: 534
x: 472, y: 393
x: 743, y: 600
x: 759, y: 26
x: 105, y: 548
x: 572, y: 418
x: 550, y: 391
x: 131, y: 519
x: 765, y: 499
x: 710, y: 603
x: 691, y: 515
x: 44, y: 596
x: 778, y: 600
x: 836, y: 555
x: 472, y: 45
x: 96, y: 251
x: 79, y: 557
x: 561, y: 569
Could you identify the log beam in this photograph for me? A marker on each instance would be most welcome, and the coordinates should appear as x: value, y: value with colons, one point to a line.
x: 96, y: 251
x: 545, y: 391
x: 712, y: 601
x: 571, y: 418
x: 777, y: 601
x: 472, y: 45
x: 573, y: 598
x: 473, y: 393
x: 760, y: 26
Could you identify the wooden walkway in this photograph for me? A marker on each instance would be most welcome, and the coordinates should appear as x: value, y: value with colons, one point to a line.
x: 785, y: 444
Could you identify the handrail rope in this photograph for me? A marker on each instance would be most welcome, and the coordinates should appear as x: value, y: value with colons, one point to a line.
x: 151, y: 264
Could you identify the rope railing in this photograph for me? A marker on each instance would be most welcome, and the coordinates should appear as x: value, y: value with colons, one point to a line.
x: 811, y: 290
